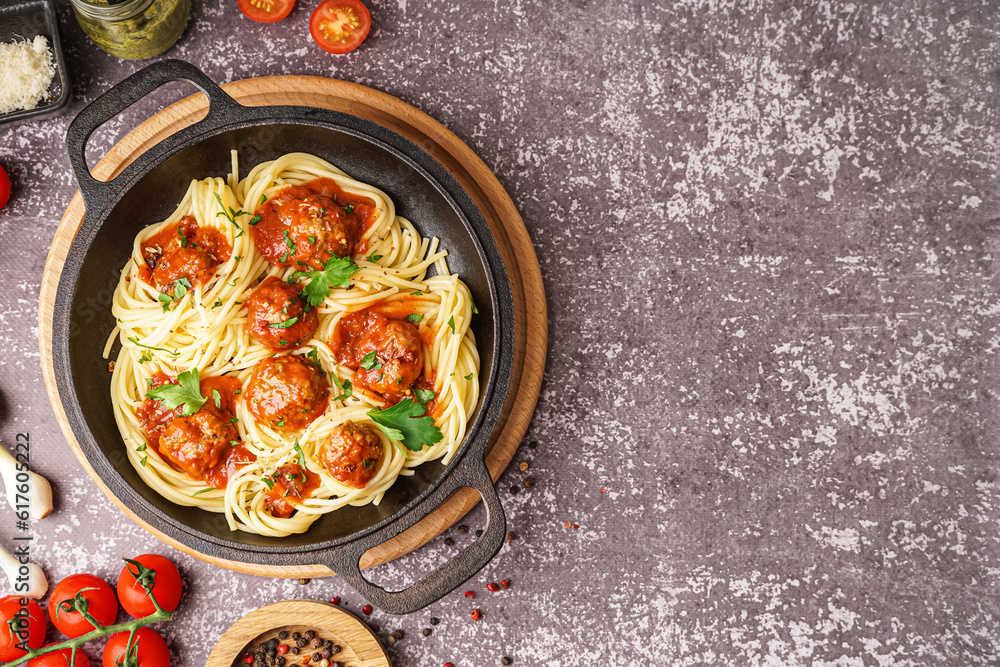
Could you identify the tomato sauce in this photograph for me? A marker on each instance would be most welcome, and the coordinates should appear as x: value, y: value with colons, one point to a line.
x: 153, y: 415
x: 306, y: 225
x: 398, y: 353
x: 292, y: 484
x: 183, y: 251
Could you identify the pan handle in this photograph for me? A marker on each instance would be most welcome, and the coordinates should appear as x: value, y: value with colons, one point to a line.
x: 345, y: 561
x: 121, y: 96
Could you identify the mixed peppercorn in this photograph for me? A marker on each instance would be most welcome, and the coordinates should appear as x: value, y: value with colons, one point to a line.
x: 289, y: 649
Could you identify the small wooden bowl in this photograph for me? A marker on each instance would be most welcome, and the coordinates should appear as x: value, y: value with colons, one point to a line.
x: 359, y: 645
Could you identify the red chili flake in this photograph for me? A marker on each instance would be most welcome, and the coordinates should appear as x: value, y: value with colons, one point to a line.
x: 492, y: 588
x: 476, y: 615
x: 602, y: 490
x: 366, y: 610
x: 470, y: 594
x: 248, y: 658
x: 335, y: 599
x: 305, y: 660
x: 283, y: 649
x: 111, y: 366
x: 576, y: 526
x: 505, y: 584
x: 567, y: 525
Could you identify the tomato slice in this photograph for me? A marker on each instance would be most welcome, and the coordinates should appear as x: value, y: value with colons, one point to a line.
x: 339, y: 26
x: 266, y: 11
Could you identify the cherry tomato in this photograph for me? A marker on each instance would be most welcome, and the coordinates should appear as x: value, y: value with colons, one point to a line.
x: 266, y: 11
x: 339, y: 26
x: 101, y: 601
x: 4, y: 187
x: 150, y: 648
x: 166, y: 581
x: 30, y: 620
x: 60, y: 659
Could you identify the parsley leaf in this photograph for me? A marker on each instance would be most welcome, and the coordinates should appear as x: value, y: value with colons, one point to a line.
x: 230, y: 214
x: 345, y: 389
x: 370, y: 362
x: 423, y: 395
x: 174, y: 353
x: 263, y: 198
x: 217, y: 398
x: 269, y: 482
x: 288, y: 239
x: 198, y: 493
x: 469, y: 376
x: 187, y: 393
x: 314, y: 357
x: 284, y: 325
x: 472, y: 302
x: 335, y: 274
x: 451, y: 323
x: 373, y: 257
x: 414, y: 317
x: 298, y: 450
x: 348, y: 208
x: 405, y: 423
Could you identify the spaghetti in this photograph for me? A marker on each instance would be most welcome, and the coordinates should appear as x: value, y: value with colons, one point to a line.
x: 289, y: 346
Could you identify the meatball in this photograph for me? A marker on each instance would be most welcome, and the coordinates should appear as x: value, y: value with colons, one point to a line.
x: 278, y: 316
x: 398, y: 359
x: 199, y: 442
x: 288, y: 392
x: 187, y: 251
x: 320, y: 228
x: 351, y: 454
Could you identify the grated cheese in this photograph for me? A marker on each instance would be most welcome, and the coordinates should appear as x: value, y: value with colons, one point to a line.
x: 26, y: 71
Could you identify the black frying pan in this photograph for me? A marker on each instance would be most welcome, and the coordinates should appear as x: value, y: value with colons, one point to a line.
x: 147, y: 190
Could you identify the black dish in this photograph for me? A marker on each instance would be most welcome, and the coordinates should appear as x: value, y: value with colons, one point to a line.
x: 22, y: 20
x: 147, y: 190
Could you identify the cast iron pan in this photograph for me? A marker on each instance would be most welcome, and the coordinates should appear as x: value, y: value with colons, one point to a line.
x: 147, y: 190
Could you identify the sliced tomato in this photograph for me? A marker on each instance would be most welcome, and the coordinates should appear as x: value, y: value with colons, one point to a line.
x: 339, y: 26
x: 266, y: 11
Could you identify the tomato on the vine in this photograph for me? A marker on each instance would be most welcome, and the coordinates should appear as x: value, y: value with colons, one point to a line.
x: 98, y: 598
x: 4, y: 187
x: 145, y: 573
x: 339, y: 26
x: 148, y: 649
x: 60, y: 659
x: 27, y: 623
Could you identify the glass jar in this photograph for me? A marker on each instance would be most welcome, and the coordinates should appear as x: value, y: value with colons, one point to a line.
x: 133, y: 29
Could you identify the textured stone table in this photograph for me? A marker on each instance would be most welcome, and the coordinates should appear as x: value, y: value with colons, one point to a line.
x: 769, y: 239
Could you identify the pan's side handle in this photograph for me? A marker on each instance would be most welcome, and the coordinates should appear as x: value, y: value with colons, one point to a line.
x: 345, y: 561
x: 121, y: 96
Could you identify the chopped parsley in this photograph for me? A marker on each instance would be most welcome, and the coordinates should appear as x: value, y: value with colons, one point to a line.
x: 174, y: 353
x: 269, y: 482
x: 263, y: 198
x: 348, y: 208
x: 335, y: 273
x: 406, y: 423
x: 298, y: 450
x: 451, y: 323
x: 345, y: 389
x: 312, y: 239
x: 371, y: 362
x: 373, y: 257
x: 284, y: 325
x: 198, y: 493
x: 472, y: 302
x: 217, y: 397
x: 254, y: 220
x: 414, y: 317
x: 280, y: 423
x: 187, y: 393
x: 423, y: 396
x: 230, y: 214
x: 288, y: 239
x: 314, y: 357
x: 184, y: 241
x: 469, y: 376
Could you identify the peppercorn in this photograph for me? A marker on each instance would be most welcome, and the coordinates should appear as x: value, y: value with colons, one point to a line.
x: 435, y: 620
x: 463, y: 529
x: 514, y: 490
x: 448, y: 542
x: 390, y: 640
x: 295, y: 635
x: 505, y: 660
x: 271, y: 644
x: 316, y: 656
x: 366, y: 610
x: 248, y: 658
x: 448, y: 664
x: 505, y: 584
x: 280, y: 662
x: 283, y: 649
x: 336, y: 649
x: 304, y: 581
x: 295, y: 650
x: 335, y: 599
x: 316, y: 642
x: 476, y: 614
x: 532, y: 445
x: 398, y: 634
x: 523, y: 465
x: 492, y: 588
x: 283, y: 635
x: 327, y: 643
x: 426, y: 632
x: 310, y: 634
x: 325, y: 653
x: 301, y: 643
x: 373, y: 626
x: 479, y: 533
x: 529, y: 482
x: 511, y: 536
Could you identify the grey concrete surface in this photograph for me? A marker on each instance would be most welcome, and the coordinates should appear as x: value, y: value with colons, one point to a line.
x: 768, y: 233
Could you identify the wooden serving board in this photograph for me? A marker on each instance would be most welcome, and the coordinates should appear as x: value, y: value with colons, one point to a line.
x: 477, y: 180
x: 359, y: 646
